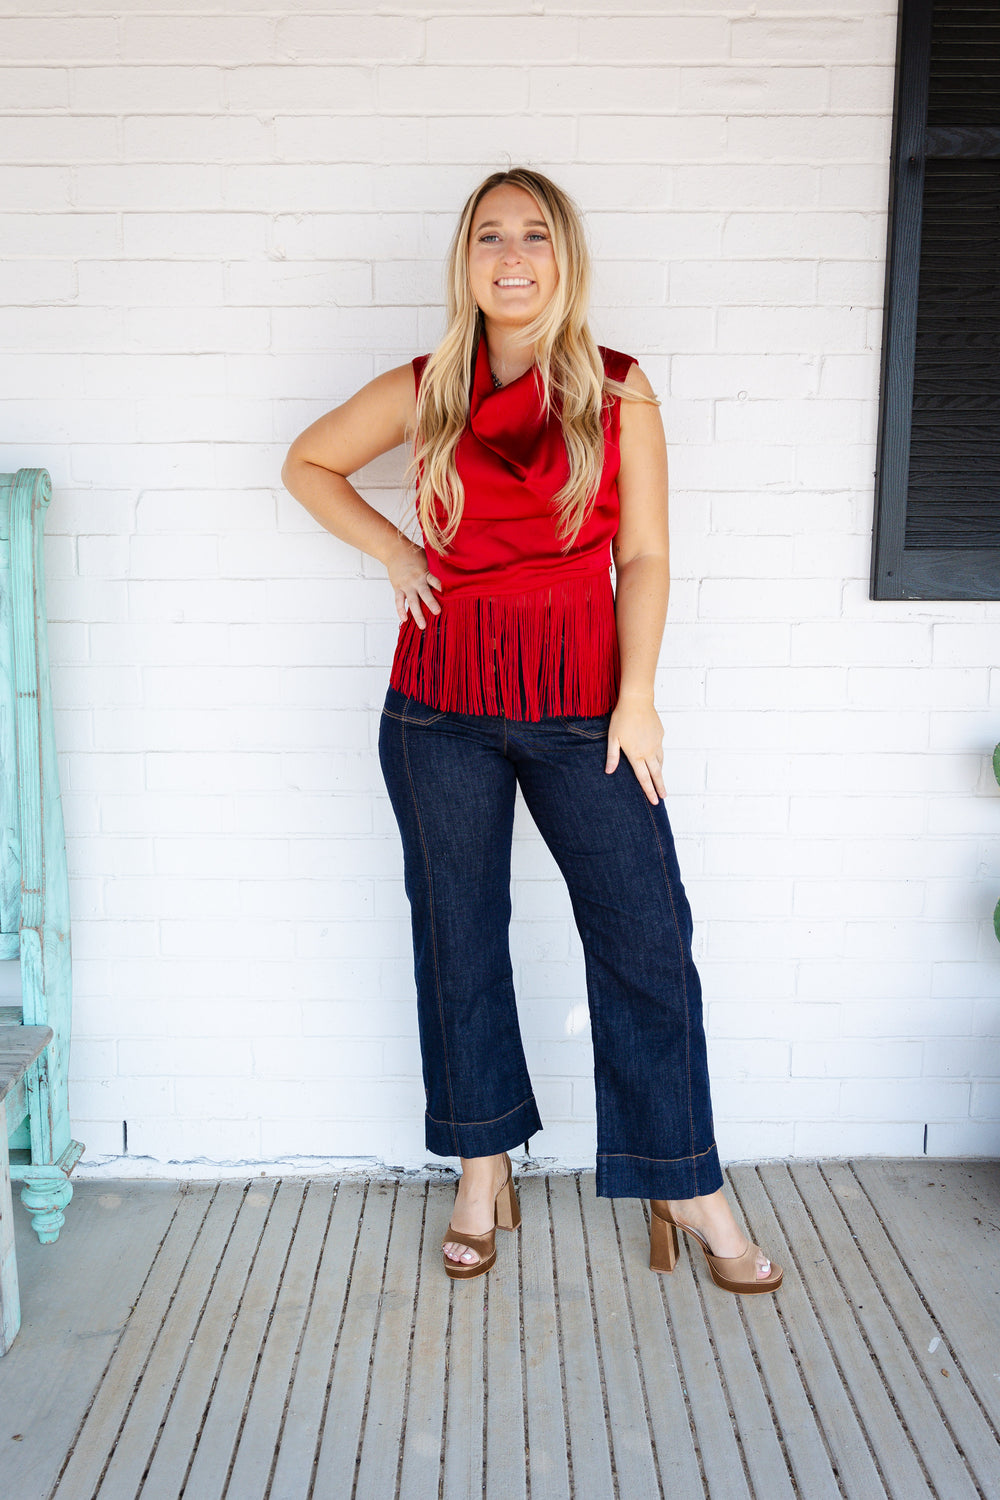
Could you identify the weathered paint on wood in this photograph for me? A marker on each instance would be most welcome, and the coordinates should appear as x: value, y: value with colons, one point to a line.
x: 34, y: 884
x: 19, y: 1046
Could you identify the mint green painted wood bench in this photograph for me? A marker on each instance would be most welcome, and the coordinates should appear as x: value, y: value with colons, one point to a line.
x: 19, y: 1047
x: 34, y: 886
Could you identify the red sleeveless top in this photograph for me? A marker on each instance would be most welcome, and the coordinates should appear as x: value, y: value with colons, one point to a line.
x: 525, y: 630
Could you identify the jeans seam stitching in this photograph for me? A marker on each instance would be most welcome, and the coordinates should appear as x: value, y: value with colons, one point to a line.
x: 433, y: 926
x: 631, y: 1156
x: 684, y: 983
x: 529, y: 1100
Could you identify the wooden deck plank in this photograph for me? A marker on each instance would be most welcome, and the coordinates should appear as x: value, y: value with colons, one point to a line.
x: 945, y: 1223
x: 142, y: 1333
x: 917, y: 1408
x: 752, y: 1417
x: 964, y: 1423
x: 669, y: 1417
x: 851, y: 1461
x: 166, y: 1411
x: 77, y: 1298
x: 259, y: 1439
x: 19, y: 1046
x: 164, y: 1478
x: 588, y: 1429
x: 703, y: 1384
x: 463, y: 1433
x: 903, y: 1476
x: 345, y: 1410
x: 547, y: 1456
x: 424, y: 1420
x: 306, y: 1400
x: 220, y: 1432
x: 384, y: 1418
x: 635, y: 1460
x: 269, y: 1336
x: 505, y: 1468
x: 794, y: 1414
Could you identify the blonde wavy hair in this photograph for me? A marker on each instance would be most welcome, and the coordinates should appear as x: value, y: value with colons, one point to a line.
x: 567, y: 364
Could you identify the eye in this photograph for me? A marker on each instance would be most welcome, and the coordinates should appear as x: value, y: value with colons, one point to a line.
x: 538, y: 234
x: 490, y: 234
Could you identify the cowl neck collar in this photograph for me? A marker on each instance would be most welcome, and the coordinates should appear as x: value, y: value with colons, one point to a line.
x: 510, y: 421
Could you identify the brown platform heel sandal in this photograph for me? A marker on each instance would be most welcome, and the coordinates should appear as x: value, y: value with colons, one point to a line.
x: 506, y: 1215
x: 734, y: 1273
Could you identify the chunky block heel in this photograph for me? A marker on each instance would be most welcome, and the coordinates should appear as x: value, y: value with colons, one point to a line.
x: 662, y: 1242
x: 508, y: 1208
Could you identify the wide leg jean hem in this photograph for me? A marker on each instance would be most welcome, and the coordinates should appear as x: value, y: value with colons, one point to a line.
x: 622, y: 1176
x: 482, y: 1137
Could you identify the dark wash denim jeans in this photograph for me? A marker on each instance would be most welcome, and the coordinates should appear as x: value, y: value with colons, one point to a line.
x: 452, y: 779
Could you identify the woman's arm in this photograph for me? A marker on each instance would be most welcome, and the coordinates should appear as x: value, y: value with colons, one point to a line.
x: 641, y: 552
x: 375, y: 420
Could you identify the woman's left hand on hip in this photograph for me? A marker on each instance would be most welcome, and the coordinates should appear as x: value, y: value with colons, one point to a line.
x: 636, y: 729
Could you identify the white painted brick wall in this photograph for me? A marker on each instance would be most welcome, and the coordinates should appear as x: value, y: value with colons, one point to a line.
x: 219, y: 225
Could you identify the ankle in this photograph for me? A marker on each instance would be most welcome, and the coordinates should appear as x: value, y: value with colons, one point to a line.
x: 481, y: 1175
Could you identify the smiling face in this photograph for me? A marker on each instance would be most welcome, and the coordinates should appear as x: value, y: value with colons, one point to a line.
x: 512, y: 266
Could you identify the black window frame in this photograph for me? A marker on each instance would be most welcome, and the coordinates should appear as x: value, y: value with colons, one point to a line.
x: 898, y: 571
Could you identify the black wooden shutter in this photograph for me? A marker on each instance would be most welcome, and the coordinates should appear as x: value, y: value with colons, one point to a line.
x: 937, y: 491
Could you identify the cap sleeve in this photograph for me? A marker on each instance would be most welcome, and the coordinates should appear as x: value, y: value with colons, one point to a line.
x: 616, y: 364
x: 419, y: 364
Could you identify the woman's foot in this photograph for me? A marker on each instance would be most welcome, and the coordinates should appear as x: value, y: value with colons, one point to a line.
x: 473, y: 1213
x: 713, y: 1218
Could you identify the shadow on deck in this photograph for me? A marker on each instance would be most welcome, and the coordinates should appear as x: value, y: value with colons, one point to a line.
x: 294, y: 1339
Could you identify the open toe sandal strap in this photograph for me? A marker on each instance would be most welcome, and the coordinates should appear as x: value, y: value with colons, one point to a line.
x: 742, y: 1269
x: 738, y: 1267
x: 482, y: 1244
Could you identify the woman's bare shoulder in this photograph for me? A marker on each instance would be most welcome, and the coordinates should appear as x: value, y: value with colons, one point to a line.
x: 637, y: 380
x: 396, y: 387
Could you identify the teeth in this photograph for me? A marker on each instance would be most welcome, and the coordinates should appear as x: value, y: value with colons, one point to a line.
x: 514, y: 281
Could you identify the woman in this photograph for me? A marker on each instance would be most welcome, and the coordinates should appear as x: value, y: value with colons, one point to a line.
x: 538, y: 456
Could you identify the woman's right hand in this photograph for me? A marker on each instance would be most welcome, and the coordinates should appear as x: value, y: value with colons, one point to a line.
x: 412, y: 582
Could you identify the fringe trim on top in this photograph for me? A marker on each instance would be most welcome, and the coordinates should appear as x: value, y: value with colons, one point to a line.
x: 545, y: 652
